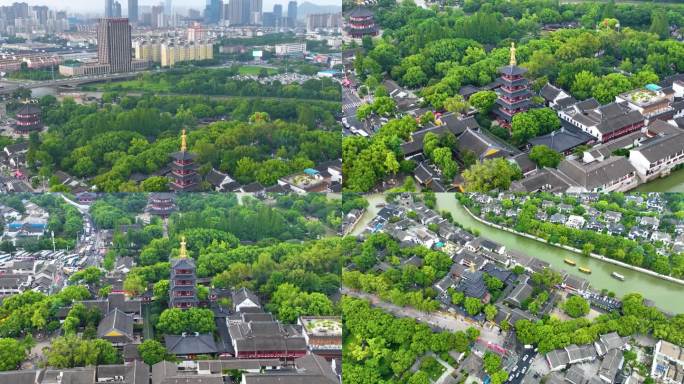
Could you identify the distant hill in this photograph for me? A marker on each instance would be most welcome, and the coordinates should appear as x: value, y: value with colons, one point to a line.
x: 306, y: 8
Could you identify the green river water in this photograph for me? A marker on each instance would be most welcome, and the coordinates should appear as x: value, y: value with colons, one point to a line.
x: 667, y: 295
x: 672, y: 183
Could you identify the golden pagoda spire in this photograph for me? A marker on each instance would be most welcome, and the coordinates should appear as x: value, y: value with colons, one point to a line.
x: 183, y: 253
x: 184, y: 142
x: 513, y: 61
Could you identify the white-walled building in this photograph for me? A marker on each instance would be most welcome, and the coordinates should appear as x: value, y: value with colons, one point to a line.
x: 657, y: 156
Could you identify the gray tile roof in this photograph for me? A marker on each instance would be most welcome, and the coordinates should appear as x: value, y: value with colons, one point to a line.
x: 310, y: 369
x: 610, y: 365
x: 564, y: 139
x: 662, y: 147
x: 596, y: 174
x: 118, y: 321
x: 451, y: 123
x: 253, y: 333
x: 190, y: 344
x: 243, y: 294
x: 480, y: 144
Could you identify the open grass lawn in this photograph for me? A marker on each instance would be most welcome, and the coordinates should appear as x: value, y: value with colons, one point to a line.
x: 255, y: 69
x: 161, y: 86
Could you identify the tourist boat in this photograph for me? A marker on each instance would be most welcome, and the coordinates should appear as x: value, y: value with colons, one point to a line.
x: 570, y: 261
x: 584, y: 270
x: 618, y: 276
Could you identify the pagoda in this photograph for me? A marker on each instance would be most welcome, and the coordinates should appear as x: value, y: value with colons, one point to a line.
x: 184, y: 169
x: 514, y: 93
x: 182, y: 291
x: 28, y: 119
x: 161, y: 204
x: 361, y: 22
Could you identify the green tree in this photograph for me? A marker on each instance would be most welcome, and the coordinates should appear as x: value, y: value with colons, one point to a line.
x: 70, y: 351
x: 583, y: 84
x: 490, y: 312
x: 456, y: 104
x: 430, y: 143
x: 364, y: 111
x: 134, y: 284
x: 457, y: 298
x: 391, y: 163
x: 289, y: 303
x: 524, y: 127
x: 544, y: 156
x: 151, y: 351
x: 89, y: 275
x: 576, y: 306
x: 174, y: 321
x: 610, y: 86
x: 443, y: 158
x: 492, y: 362
x: 12, y: 353
x: 420, y: 377
x: 155, y: 184
x: 490, y: 174
x: 483, y: 101
x: 414, y: 77
x: 659, y: 23
x: 472, y: 305
x: 161, y: 290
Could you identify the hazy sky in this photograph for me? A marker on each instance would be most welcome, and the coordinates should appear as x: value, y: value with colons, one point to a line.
x: 98, y: 5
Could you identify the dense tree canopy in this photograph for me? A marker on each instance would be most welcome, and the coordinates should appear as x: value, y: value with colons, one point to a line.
x: 576, y: 306
x: 174, y: 321
x: 490, y: 174
x: 136, y: 134
x: 381, y: 348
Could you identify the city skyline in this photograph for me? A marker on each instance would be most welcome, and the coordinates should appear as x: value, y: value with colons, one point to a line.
x: 97, y: 7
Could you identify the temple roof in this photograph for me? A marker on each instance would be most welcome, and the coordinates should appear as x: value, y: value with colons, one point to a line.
x: 361, y: 12
x: 184, y: 155
x: 29, y: 109
x: 512, y: 70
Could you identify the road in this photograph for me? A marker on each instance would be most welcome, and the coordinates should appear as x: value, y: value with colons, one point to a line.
x: 11, y: 86
x: 91, y: 241
x: 437, y: 320
x: 517, y: 373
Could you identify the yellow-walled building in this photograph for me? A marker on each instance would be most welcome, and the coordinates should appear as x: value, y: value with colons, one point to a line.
x: 168, y: 53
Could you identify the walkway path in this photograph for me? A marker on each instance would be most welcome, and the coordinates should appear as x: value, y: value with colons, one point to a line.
x: 437, y: 320
x: 449, y: 370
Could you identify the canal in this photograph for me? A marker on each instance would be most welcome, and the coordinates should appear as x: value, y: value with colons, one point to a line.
x: 672, y: 183
x: 665, y: 294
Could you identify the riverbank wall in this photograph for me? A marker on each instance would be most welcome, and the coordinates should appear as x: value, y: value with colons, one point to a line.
x: 575, y: 250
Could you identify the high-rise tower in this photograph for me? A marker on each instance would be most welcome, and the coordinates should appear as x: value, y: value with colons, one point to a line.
x: 114, y: 44
x: 292, y: 14
x: 116, y: 9
x: 133, y: 11
x: 109, y: 8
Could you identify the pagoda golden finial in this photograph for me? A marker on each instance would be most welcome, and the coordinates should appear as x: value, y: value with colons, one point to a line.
x: 183, y: 253
x: 184, y: 142
x: 513, y: 61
